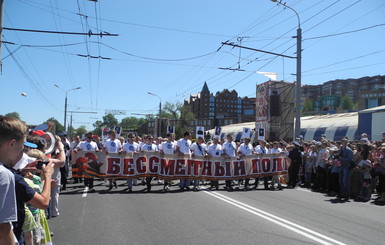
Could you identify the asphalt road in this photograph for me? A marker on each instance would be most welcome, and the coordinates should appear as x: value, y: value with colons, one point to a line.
x: 291, y: 216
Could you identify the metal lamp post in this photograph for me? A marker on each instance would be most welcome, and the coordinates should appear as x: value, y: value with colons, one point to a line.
x: 297, y: 127
x: 65, y: 103
x: 160, y: 112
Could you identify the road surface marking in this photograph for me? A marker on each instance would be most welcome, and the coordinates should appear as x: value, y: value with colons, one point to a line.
x: 85, y: 192
x: 313, y: 235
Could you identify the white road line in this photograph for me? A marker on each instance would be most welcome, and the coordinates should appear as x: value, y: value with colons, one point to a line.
x: 85, y: 192
x: 313, y: 235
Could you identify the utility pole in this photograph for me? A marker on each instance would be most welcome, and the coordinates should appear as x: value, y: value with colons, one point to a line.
x: 297, y: 128
x: 1, y: 30
x: 159, y: 131
x: 65, y: 103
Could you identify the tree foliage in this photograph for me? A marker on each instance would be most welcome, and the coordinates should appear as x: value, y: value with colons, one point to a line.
x: 109, y: 121
x: 180, y: 116
x: 81, y: 130
x: 131, y: 123
x: 346, y: 103
x: 58, y: 127
x: 308, y: 105
x: 13, y: 115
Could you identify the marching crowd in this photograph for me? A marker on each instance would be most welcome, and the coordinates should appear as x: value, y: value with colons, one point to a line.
x: 31, y: 179
x: 345, y: 169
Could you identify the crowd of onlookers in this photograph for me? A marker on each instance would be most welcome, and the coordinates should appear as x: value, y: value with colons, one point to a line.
x: 31, y: 177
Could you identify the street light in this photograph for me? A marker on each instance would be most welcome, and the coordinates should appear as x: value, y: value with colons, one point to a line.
x: 65, y: 103
x: 297, y: 127
x: 160, y: 111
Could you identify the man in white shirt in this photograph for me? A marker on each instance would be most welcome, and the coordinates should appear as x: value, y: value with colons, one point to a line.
x: 149, y: 146
x: 246, y: 149
x: 183, y: 148
x: 276, y: 178
x: 229, y: 150
x: 168, y: 147
x: 112, y: 145
x: 130, y: 147
x: 215, y: 150
x: 198, y: 148
x: 261, y: 150
x: 88, y: 145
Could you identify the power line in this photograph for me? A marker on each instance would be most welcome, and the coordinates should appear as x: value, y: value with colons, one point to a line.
x: 347, y: 69
x: 142, y: 25
x: 343, y: 33
x: 340, y: 62
x: 333, y: 15
x: 63, y: 32
x: 29, y: 79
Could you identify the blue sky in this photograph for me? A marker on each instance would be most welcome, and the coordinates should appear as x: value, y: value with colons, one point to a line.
x: 171, y: 48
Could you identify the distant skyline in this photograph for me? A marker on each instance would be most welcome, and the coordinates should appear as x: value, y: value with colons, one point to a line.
x: 170, y: 48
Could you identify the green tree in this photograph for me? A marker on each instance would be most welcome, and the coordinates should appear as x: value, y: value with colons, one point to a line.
x: 81, y: 130
x: 58, y: 127
x: 130, y: 123
x: 109, y: 121
x: 13, y: 115
x: 181, y: 115
x: 346, y: 103
x: 308, y: 105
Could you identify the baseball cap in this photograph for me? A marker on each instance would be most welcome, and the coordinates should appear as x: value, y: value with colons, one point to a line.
x: 30, y: 145
x: 38, y: 132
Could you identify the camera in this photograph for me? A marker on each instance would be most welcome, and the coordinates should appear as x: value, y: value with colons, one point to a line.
x: 39, y: 164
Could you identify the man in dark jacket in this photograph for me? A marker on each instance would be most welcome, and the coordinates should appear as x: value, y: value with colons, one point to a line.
x: 296, y: 161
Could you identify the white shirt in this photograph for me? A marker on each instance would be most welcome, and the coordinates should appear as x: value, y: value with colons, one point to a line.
x: 73, y: 145
x: 215, y: 150
x: 275, y: 151
x: 112, y: 146
x: 323, y: 154
x: 246, y: 149
x: 229, y: 148
x: 8, y: 211
x: 198, y: 150
x: 129, y: 148
x: 87, y: 146
x: 168, y: 147
x: 261, y: 150
x: 149, y: 148
x: 184, y: 146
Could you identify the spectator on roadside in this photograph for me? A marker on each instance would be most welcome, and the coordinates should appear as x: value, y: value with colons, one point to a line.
x: 310, y: 165
x: 296, y: 161
x: 323, y: 156
x: 12, y: 138
x: 346, y: 157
